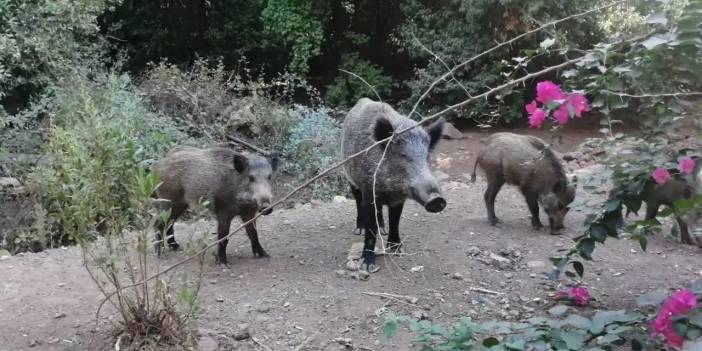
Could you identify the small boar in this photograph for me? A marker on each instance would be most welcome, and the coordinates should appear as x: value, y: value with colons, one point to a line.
x: 685, y: 187
x: 526, y: 161
x: 234, y: 185
x: 404, y: 172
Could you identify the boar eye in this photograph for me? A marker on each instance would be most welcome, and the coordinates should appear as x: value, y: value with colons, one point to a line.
x: 252, y: 179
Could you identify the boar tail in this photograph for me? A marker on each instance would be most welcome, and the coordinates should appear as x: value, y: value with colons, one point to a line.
x: 475, y: 166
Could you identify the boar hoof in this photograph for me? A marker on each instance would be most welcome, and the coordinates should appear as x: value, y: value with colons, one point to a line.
x: 260, y: 253
x: 382, y: 231
x: 174, y: 246
x: 368, y: 263
x: 493, y: 220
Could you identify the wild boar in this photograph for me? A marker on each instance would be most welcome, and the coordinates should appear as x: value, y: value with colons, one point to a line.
x: 684, y: 187
x: 404, y: 172
x: 526, y: 161
x: 234, y: 184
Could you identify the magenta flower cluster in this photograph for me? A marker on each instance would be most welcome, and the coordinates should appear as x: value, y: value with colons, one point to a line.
x: 661, y: 175
x: 578, y: 295
x: 678, y: 303
x: 573, y: 104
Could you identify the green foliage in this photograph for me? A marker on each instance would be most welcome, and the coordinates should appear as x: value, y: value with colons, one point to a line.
x: 347, y: 89
x: 102, y: 137
x: 459, y: 30
x: 313, y: 146
x: 559, y: 330
x: 43, y: 41
x: 299, y: 24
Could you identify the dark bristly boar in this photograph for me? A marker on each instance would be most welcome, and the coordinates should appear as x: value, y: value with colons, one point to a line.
x: 685, y: 187
x: 526, y: 161
x: 404, y: 172
x: 234, y: 185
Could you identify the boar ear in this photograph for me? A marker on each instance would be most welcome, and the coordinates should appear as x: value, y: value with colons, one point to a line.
x: 559, y: 186
x: 241, y: 163
x: 435, y: 130
x: 383, y: 129
x: 274, y: 159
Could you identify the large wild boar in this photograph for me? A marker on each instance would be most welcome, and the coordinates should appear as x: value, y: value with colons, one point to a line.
x: 234, y: 185
x: 526, y: 161
x: 404, y: 172
x: 685, y: 187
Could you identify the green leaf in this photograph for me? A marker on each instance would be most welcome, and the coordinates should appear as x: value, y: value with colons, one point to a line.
x: 654, y: 41
x: 578, y: 321
x: 585, y: 248
x: 693, y: 333
x: 598, y: 232
x: 490, y: 342
x: 608, y: 339
x: 603, y: 318
x: 390, y: 328
x: 573, y: 340
x: 579, y: 268
x: 517, y: 344
x: 652, y: 298
x: 558, y: 310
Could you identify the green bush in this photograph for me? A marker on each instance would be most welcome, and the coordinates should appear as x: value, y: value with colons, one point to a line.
x: 101, y: 137
x: 313, y: 146
x: 347, y: 89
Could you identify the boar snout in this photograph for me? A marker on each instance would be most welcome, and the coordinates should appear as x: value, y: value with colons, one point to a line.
x: 265, y: 207
x: 428, y: 195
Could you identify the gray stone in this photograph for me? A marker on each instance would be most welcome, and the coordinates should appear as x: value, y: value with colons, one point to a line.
x: 536, y: 264
x: 451, y: 132
x: 206, y: 343
x: 500, y: 262
x: 441, y: 176
x: 338, y: 199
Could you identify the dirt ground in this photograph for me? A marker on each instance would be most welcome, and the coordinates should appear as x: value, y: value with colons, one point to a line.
x: 303, y: 298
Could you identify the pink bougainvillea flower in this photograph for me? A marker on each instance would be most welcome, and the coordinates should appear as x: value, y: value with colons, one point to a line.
x: 581, y: 296
x: 579, y: 103
x: 531, y: 107
x: 537, y: 118
x: 680, y: 302
x: 561, y: 114
x: 548, y: 91
x: 687, y: 165
x: 674, y: 340
x: 661, y: 175
x: 661, y: 325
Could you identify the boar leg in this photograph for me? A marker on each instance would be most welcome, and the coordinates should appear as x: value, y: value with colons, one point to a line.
x: 167, y: 226
x: 359, y: 222
x: 394, y: 214
x: 494, y: 186
x: 684, y: 232
x: 532, y: 200
x: 652, y: 209
x: 371, y: 230
x: 224, y: 221
x: 253, y: 235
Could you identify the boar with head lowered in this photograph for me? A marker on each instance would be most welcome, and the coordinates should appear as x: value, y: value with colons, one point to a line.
x: 527, y: 162
x: 232, y: 183
x: 404, y: 172
x: 684, y: 186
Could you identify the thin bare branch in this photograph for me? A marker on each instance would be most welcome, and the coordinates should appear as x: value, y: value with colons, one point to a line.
x: 364, y: 81
x: 644, y: 96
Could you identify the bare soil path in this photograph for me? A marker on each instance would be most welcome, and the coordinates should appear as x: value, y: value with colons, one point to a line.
x: 303, y: 297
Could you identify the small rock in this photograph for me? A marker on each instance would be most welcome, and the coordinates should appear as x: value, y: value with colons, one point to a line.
x: 340, y: 273
x: 59, y: 315
x: 242, y: 332
x: 360, y: 275
x: 206, y: 343
x: 535, y: 264
x: 474, y: 251
x: 457, y: 276
x: 263, y: 309
x: 34, y: 342
x: 352, y: 266
x: 500, y: 262
x: 286, y: 304
x: 420, y: 315
x: 451, y: 132
x: 53, y: 341
x: 355, y: 251
x: 317, y: 202
x: 379, y: 312
x: 9, y: 181
x: 338, y: 199
x: 416, y: 269
x: 219, y: 299
x: 4, y: 254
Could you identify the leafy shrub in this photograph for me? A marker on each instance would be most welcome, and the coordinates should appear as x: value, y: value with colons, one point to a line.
x: 347, y: 89
x: 604, y: 330
x: 313, y: 146
x: 213, y: 102
x: 102, y: 136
